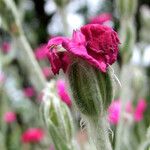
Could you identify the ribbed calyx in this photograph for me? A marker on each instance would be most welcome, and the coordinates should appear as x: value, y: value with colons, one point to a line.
x: 58, y: 119
x: 90, y: 88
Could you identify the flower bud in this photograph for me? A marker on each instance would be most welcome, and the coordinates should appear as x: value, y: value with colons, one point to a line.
x: 57, y: 118
x: 89, y: 88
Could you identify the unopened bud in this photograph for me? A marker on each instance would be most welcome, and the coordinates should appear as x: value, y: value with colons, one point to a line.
x: 91, y: 89
x: 57, y: 118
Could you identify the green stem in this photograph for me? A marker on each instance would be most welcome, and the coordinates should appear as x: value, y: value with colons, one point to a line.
x: 125, y: 95
x: 28, y: 60
x: 33, y: 66
x: 32, y: 146
x: 98, y: 133
x: 63, y: 15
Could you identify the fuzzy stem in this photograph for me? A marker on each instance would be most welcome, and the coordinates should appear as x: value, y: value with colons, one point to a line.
x: 25, y: 46
x: 98, y: 133
x: 125, y: 95
x: 30, y: 63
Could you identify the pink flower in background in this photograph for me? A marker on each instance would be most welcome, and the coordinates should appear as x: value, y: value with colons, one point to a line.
x: 5, y: 47
x: 9, y: 117
x: 51, y: 147
x: 139, y: 110
x: 96, y: 44
x: 32, y: 135
x: 137, y: 113
x: 40, y: 52
x: 63, y: 93
x: 101, y: 19
x: 58, y: 58
x: 2, y: 77
x: 129, y: 108
x: 114, y: 112
x: 47, y: 72
x: 29, y: 91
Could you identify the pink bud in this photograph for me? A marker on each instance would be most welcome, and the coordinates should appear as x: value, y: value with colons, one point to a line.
x: 114, y: 112
x: 5, y: 47
x: 63, y: 93
x: 9, y: 117
x: 101, y: 19
x: 29, y: 91
x: 40, y: 52
x: 32, y: 135
x: 139, y: 110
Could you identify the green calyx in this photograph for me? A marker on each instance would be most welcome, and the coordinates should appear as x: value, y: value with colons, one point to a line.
x: 90, y: 88
x: 57, y: 118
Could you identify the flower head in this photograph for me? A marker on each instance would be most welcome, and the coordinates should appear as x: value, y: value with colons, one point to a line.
x: 139, y: 110
x: 32, y: 135
x: 9, y: 117
x: 114, y: 112
x: 96, y: 44
x: 29, y: 91
x: 5, y: 47
x: 63, y: 93
x: 101, y: 19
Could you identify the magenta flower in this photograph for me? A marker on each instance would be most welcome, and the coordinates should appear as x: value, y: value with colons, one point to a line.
x: 32, y: 135
x: 29, y: 91
x: 101, y: 19
x: 139, y: 110
x: 114, y: 112
x: 9, y: 117
x: 96, y: 44
x: 5, y: 47
x: 63, y: 93
x: 40, y: 52
x: 56, y: 54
